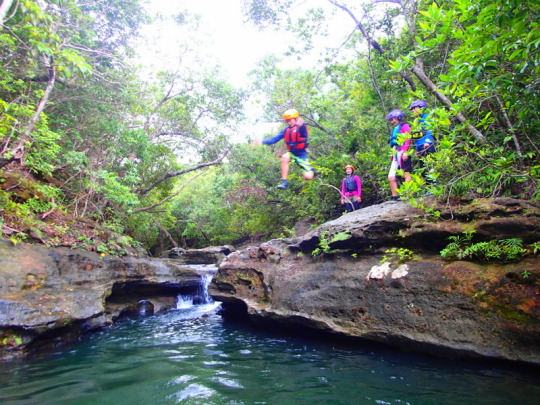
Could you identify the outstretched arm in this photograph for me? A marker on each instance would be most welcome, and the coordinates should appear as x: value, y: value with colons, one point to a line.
x: 274, y: 139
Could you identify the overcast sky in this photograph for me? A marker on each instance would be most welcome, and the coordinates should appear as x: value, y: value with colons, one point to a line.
x: 223, y: 37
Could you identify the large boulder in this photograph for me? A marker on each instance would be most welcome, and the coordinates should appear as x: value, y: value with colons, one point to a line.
x: 50, y: 296
x: 207, y: 255
x: 356, y: 277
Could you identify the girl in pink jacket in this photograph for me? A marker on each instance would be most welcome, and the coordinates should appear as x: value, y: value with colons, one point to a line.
x: 351, y: 190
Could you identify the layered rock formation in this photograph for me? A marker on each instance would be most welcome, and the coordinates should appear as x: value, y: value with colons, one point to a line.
x: 376, y: 274
x: 51, y: 296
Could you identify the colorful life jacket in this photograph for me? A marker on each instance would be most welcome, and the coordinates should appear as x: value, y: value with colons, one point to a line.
x: 425, y: 136
x: 394, y: 136
x: 350, y: 184
x: 294, y: 139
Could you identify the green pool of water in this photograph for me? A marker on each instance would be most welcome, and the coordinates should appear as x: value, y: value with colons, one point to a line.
x: 193, y: 356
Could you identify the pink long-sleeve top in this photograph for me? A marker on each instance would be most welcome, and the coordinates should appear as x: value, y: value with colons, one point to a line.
x: 358, y: 190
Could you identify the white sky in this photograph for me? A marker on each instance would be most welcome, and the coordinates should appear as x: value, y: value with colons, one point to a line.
x: 224, y: 38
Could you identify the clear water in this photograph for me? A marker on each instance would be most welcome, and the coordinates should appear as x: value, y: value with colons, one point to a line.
x: 192, y: 356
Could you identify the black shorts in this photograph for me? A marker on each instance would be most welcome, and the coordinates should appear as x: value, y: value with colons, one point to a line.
x: 406, y: 165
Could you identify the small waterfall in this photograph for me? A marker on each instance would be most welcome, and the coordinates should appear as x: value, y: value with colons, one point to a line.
x: 201, y: 297
x: 184, y: 301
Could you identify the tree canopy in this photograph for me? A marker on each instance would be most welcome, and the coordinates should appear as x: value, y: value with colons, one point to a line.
x: 86, y: 135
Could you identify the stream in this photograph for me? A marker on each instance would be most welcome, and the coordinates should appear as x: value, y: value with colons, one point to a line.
x: 191, y: 355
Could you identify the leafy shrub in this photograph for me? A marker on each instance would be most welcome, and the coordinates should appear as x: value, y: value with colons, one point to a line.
x: 326, y: 239
x: 504, y: 250
x: 399, y: 255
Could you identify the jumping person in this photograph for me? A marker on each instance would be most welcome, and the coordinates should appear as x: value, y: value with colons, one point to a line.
x: 351, y: 189
x: 296, y: 140
x: 400, y: 160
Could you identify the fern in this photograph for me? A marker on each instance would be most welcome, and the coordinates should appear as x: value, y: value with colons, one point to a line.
x: 326, y: 239
x: 513, y: 243
x: 506, y: 250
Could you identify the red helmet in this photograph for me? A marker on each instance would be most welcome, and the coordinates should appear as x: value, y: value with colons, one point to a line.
x: 351, y: 166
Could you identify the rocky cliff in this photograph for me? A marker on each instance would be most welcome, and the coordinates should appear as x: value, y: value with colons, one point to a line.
x: 376, y: 274
x: 51, y: 296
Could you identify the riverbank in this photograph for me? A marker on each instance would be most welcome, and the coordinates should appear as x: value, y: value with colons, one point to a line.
x: 377, y: 274
x: 52, y: 296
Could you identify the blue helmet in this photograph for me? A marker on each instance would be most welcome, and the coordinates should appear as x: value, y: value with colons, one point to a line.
x: 418, y: 103
x: 395, y: 114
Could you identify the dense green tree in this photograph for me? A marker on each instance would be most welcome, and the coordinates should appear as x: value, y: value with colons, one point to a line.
x: 76, y: 114
x: 54, y: 43
x: 80, y: 131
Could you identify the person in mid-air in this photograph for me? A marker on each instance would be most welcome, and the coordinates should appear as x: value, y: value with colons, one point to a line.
x: 295, y: 136
x: 400, y: 160
x: 351, y: 189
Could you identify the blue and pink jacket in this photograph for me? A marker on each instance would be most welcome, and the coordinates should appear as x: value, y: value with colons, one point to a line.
x: 401, y: 128
x: 351, y: 185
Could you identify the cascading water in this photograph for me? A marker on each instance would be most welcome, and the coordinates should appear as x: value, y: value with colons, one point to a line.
x: 192, y: 356
x: 201, y: 298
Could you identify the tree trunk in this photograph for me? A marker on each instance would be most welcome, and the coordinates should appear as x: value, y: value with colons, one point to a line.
x: 4, y: 10
x: 17, y: 153
x: 421, y: 75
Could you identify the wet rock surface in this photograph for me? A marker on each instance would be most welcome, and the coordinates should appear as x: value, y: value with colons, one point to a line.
x: 353, y: 287
x: 50, y: 296
x: 208, y: 255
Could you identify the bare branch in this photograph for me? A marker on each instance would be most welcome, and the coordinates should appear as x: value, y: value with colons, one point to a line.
x: 18, y: 150
x: 166, y: 198
x: 184, y: 171
x: 372, y: 42
x: 510, y: 126
x: 168, y: 235
x: 4, y: 9
x: 345, y: 198
x: 184, y: 135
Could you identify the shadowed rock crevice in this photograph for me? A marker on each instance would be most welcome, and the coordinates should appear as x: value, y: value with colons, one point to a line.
x: 341, y: 279
x: 133, y: 299
x: 50, y: 297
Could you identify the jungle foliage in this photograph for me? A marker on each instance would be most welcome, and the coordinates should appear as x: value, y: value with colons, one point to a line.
x: 84, y: 138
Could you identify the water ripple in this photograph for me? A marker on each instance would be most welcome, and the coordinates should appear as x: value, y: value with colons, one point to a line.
x: 172, y: 358
x: 197, y: 391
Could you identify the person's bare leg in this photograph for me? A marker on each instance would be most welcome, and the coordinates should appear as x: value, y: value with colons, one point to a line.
x: 285, y: 159
x: 285, y: 167
x: 393, y: 186
x: 407, y: 177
